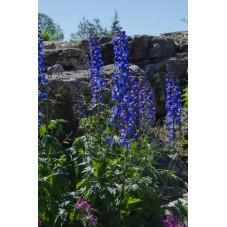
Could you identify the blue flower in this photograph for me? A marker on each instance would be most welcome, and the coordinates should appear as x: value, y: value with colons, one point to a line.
x: 42, y: 80
x: 96, y: 68
x: 146, y: 106
x: 173, y: 102
x: 124, y: 90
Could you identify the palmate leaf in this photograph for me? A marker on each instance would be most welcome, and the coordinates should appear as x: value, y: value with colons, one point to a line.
x: 43, y: 167
x: 93, y: 189
x: 44, y: 185
x: 50, y: 142
x: 70, y: 153
x: 150, y: 203
x: 55, y: 124
x: 66, y: 200
x: 79, y: 144
x: 179, y: 210
x: 43, y: 202
x: 61, y: 218
x: 112, y: 190
x: 59, y: 183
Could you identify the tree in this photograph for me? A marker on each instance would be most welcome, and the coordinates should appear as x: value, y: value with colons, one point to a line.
x: 46, y: 36
x: 184, y: 20
x: 115, y: 23
x: 50, y: 30
x: 84, y: 27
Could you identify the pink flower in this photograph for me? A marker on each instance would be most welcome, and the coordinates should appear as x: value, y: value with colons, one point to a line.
x: 78, y: 206
x: 39, y: 222
x: 88, y: 206
x: 92, y: 220
x: 171, y: 221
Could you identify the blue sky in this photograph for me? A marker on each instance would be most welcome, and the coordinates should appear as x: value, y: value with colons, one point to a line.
x: 137, y: 17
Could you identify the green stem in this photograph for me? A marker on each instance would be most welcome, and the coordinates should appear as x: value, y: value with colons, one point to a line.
x: 125, y: 171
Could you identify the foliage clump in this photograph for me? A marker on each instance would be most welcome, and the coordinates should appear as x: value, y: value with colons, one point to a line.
x: 50, y: 30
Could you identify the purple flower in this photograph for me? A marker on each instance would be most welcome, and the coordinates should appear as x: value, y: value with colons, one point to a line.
x: 84, y: 208
x: 96, y: 67
x: 109, y: 139
x: 42, y: 80
x: 171, y: 221
x: 124, y: 89
x: 78, y: 206
x: 92, y: 220
x: 146, y: 106
x: 39, y: 222
x: 173, y: 102
x: 79, y: 108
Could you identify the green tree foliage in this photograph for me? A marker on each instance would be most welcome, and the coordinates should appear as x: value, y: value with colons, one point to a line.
x: 115, y: 23
x: 83, y: 30
x: 50, y: 30
x: 184, y: 20
x: 84, y: 26
x: 46, y: 36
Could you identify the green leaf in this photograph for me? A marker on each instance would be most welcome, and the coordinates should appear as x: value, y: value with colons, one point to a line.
x: 112, y: 190
x: 50, y: 142
x: 42, y: 131
x: 55, y: 124
x: 59, y: 183
x: 62, y: 120
x: 133, y: 201
x: 61, y: 218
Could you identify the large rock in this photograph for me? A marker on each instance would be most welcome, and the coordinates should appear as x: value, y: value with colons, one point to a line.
x: 156, y: 74
x: 141, y: 47
x: 70, y: 58
x: 153, y: 52
x: 150, y: 47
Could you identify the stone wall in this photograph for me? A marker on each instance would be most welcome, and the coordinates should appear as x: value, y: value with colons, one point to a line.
x: 152, y: 51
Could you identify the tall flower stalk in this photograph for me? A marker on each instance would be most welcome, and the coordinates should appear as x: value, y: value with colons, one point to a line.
x: 96, y: 68
x: 124, y: 89
x: 125, y: 94
x: 42, y: 79
x: 173, y: 102
x: 173, y: 116
x: 146, y: 105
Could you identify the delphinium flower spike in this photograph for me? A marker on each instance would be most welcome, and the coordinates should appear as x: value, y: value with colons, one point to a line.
x: 79, y: 108
x: 173, y: 102
x: 124, y: 89
x: 96, y: 67
x: 42, y: 79
x: 146, y: 105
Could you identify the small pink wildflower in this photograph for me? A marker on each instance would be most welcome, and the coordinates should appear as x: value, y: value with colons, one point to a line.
x: 39, y: 222
x: 171, y: 221
x: 78, y: 206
